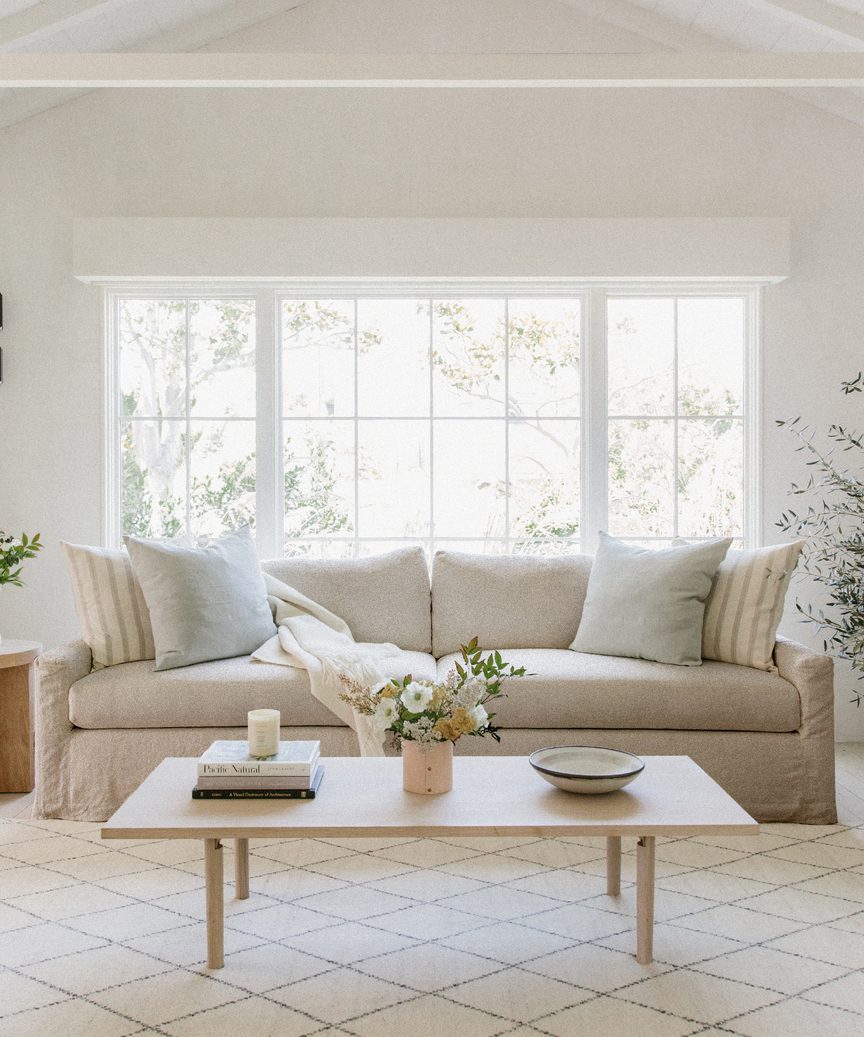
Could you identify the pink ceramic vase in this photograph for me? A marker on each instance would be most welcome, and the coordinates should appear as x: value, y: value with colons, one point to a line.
x: 428, y: 771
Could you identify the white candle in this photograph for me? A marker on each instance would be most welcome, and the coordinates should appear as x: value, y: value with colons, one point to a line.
x: 263, y: 732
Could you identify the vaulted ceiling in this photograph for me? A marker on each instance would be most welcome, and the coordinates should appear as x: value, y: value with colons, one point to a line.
x: 88, y: 26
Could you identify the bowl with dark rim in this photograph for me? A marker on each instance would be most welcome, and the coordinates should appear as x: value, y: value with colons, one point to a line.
x: 587, y: 769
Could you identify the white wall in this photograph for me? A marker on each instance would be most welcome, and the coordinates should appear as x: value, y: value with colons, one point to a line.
x: 403, y: 153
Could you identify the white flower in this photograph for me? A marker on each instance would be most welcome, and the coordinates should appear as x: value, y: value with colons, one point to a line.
x: 480, y: 717
x: 469, y: 694
x: 420, y: 731
x: 385, y: 713
x: 416, y: 697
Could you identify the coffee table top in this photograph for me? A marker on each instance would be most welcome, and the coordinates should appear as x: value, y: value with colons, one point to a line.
x: 492, y: 795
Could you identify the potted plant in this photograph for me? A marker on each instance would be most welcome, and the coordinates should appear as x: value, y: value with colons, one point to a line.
x: 832, y: 521
x: 14, y: 551
x: 430, y: 716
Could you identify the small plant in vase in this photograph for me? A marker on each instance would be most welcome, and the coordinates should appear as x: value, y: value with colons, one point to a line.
x: 430, y: 716
x: 13, y: 552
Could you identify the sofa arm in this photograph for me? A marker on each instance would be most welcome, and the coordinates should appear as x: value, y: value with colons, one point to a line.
x: 812, y: 673
x: 56, y: 671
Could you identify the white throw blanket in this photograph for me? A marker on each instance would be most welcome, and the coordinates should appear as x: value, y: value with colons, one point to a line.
x: 312, y: 638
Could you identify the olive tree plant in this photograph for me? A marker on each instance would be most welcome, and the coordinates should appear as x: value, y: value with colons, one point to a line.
x: 831, y: 518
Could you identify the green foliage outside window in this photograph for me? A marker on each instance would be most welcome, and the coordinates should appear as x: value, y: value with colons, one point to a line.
x: 220, y: 493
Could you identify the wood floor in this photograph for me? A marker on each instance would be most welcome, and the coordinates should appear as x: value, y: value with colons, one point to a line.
x: 850, y: 788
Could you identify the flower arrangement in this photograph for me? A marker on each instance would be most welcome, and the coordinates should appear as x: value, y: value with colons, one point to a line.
x: 433, y: 712
x: 12, y: 553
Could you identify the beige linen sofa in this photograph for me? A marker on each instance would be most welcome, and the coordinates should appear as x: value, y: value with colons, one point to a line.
x: 766, y: 737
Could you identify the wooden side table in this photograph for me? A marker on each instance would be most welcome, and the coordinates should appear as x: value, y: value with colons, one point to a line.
x: 16, y: 723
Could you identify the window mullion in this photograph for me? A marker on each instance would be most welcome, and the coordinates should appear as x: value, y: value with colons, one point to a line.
x: 752, y: 419
x: 432, y: 540
x: 356, y: 542
x: 507, y: 540
x: 675, y: 420
x: 594, y: 431
x: 187, y: 451
x: 269, y: 481
x: 112, y: 494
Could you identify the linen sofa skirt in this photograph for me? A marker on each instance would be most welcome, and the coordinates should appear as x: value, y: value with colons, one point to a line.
x: 775, y: 777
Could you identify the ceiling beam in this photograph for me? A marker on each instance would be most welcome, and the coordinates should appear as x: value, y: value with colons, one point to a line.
x: 435, y: 71
x: 203, y: 32
x: 48, y: 16
x: 819, y: 15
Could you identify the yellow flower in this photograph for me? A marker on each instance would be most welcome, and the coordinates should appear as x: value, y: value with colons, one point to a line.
x: 390, y: 692
x: 444, y: 727
x: 462, y: 721
x: 439, y: 696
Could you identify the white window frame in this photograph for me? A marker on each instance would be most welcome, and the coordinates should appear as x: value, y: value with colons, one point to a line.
x: 593, y: 417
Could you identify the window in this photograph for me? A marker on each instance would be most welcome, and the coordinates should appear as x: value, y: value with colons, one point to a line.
x: 675, y: 417
x: 341, y: 425
x: 186, y: 414
x: 440, y: 421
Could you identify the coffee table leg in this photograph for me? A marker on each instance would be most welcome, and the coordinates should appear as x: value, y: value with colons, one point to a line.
x: 613, y: 865
x: 645, y: 899
x: 214, y: 879
x: 241, y: 869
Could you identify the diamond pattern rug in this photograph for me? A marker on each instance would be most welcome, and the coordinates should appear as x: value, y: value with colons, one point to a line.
x: 377, y: 937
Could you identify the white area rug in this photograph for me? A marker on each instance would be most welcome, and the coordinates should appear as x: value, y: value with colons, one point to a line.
x: 757, y: 937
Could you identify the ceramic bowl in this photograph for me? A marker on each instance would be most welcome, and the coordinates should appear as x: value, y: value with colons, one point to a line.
x: 586, y: 768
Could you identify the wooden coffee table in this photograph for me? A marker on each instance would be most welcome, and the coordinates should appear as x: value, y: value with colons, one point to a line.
x: 491, y: 796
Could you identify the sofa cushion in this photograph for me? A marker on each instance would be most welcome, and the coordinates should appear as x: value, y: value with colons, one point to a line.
x: 566, y: 689
x: 745, y: 605
x: 109, y: 604
x: 206, y: 602
x: 212, y: 694
x: 647, y: 603
x: 526, y: 601
x: 382, y: 598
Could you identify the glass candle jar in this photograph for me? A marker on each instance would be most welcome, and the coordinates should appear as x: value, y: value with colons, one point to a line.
x: 263, y: 725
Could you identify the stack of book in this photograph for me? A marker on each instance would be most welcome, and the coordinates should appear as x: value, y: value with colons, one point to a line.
x: 227, y: 771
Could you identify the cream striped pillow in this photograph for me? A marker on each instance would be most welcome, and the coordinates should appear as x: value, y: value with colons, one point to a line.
x: 111, y: 609
x: 745, y: 605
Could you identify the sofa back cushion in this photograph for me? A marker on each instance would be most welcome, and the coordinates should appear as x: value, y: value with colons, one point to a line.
x: 382, y: 598
x: 745, y: 605
x: 506, y: 601
x: 649, y: 603
x: 205, y: 603
x: 110, y: 605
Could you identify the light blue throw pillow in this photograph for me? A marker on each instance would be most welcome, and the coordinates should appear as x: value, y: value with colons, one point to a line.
x: 648, y: 604
x: 205, y: 602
